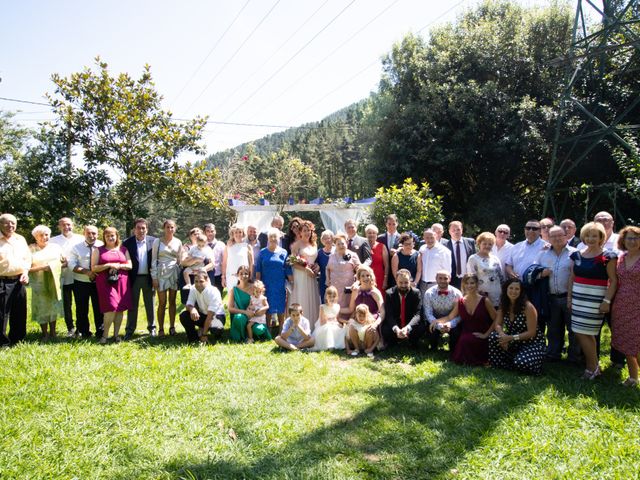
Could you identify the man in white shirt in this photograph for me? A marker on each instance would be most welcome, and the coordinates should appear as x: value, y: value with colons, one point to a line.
x: 202, y: 311
x: 67, y: 240
x: 502, y: 247
x: 15, y: 262
x: 84, y: 287
x: 525, y: 253
x: 557, y: 267
x: 611, y: 243
x: 434, y: 257
x: 215, y: 274
x: 438, y: 301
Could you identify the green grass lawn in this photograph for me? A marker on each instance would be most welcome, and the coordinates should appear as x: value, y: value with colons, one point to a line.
x: 157, y: 408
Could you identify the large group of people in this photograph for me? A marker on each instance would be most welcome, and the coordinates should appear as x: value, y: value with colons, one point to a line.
x: 495, y: 303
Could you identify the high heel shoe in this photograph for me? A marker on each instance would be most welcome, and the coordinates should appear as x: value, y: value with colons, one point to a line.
x: 630, y: 382
x: 591, y: 375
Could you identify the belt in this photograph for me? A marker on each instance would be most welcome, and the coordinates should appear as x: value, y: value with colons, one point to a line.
x: 9, y: 277
x: 558, y: 295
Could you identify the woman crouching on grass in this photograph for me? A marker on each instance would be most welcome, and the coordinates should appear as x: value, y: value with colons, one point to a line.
x: 516, y: 343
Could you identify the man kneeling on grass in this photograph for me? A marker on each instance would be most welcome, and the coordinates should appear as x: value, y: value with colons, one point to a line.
x: 296, y: 332
x: 203, y: 305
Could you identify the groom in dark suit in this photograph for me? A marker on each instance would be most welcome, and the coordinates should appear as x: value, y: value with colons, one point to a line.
x: 403, y: 312
x: 139, y: 247
x: 461, y: 249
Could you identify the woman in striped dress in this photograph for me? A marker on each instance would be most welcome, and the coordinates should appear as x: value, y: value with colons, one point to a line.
x: 592, y: 285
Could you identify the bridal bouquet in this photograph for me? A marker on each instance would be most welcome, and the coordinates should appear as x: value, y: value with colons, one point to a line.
x: 297, y: 260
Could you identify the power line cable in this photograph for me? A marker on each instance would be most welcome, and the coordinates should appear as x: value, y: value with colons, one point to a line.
x: 339, y: 47
x: 290, y: 59
x: 211, y: 51
x: 233, y: 55
x: 24, y: 101
x: 282, y: 45
x: 376, y: 61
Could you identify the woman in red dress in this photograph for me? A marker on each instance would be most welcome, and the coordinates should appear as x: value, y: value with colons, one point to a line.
x: 379, y: 261
x: 625, y: 320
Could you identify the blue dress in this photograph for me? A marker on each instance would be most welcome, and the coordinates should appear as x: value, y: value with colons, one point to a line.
x: 274, y: 270
x: 409, y: 262
x: 322, y: 261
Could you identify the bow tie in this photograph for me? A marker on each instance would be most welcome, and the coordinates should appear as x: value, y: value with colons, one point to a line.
x: 443, y: 292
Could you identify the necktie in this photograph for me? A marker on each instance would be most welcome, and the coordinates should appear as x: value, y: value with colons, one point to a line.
x: 350, y: 244
x: 403, y: 320
x: 458, y: 266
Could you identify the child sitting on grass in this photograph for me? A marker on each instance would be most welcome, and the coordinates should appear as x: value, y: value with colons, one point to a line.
x: 295, y: 330
x: 257, y: 325
x: 195, y: 259
x: 362, y: 334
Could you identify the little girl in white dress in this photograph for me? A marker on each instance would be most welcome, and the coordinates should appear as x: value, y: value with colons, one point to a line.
x: 329, y: 333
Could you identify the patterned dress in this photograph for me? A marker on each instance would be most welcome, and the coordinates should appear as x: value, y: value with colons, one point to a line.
x: 342, y: 275
x: 589, y: 287
x: 46, y: 296
x: 490, y: 278
x: 625, y: 311
x: 524, y: 356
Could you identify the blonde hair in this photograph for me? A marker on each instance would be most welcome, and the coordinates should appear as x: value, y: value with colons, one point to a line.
x: 330, y: 291
x: 111, y: 230
x: 235, y: 227
x: 259, y: 285
x: 363, y: 309
x: 486, y: 237
x: 593, y: 227
x: 366, y: 268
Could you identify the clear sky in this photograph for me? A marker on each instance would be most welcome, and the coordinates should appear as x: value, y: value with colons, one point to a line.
x: 258, y: 62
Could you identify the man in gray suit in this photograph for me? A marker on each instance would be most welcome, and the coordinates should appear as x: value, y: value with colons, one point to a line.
x: 139, y: 246
x: 355, y: 242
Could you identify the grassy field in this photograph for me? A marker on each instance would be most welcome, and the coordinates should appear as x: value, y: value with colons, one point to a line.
x: 160, y: 409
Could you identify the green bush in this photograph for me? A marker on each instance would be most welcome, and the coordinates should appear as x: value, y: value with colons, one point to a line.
x: 415, y: 206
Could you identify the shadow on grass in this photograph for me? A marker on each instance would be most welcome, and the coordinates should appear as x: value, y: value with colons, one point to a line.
x: 412, y: 430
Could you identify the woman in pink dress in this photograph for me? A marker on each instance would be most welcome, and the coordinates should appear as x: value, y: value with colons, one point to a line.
x: 112, y: 264
x: 341, y: 273
x: 625, y: 319
x: 379, y: 261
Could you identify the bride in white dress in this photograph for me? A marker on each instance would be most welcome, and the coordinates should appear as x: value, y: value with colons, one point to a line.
x: 305, y: 286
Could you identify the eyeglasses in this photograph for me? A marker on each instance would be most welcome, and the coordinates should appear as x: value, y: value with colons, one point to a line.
x: 546, y: 227
x: 535, y: 229
x: 506, y: 232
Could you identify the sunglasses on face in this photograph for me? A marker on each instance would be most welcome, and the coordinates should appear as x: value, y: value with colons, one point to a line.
x: 506, y: 232
x: 535, y: 229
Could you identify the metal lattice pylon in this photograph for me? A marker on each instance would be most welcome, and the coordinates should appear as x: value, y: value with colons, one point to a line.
x: 601, y: 31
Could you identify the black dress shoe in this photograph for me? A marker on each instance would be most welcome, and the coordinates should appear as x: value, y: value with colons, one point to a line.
x: 128, y: 336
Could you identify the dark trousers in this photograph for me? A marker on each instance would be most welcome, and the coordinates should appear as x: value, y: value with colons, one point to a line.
x: 13, y: 311
x: 83, y: 292
x: 190, y: 325
x: 559, y: 321
x: 141, y: 285
x: 67, y: 300
x: 390, y: 338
